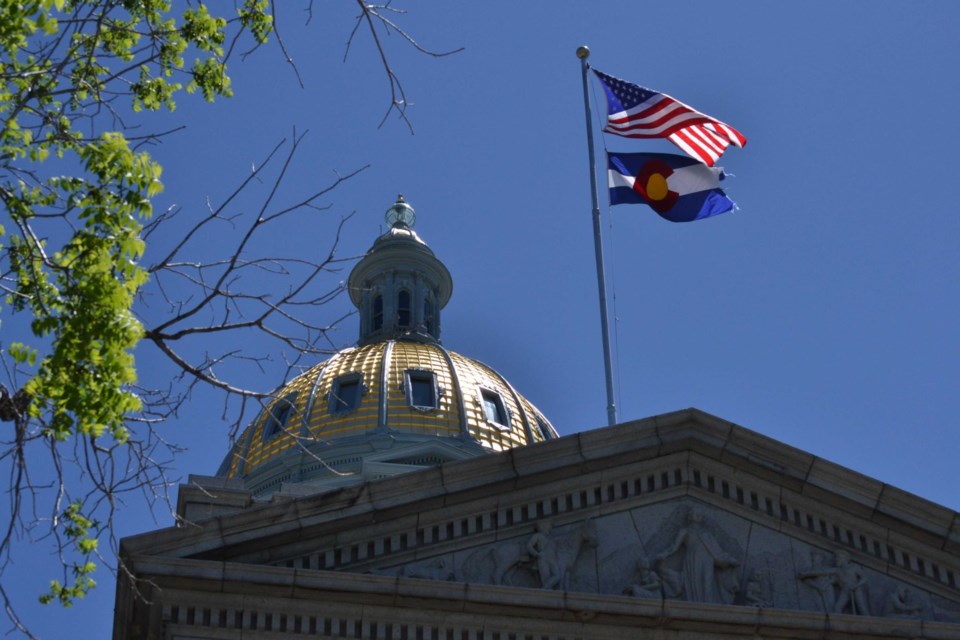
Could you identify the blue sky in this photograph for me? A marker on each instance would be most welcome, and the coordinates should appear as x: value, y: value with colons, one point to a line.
x: 823, y: 313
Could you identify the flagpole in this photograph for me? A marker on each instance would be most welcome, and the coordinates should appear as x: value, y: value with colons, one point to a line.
x: 583, y: 53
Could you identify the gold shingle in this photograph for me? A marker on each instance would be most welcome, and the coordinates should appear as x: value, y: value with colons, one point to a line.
x: 382, y: 367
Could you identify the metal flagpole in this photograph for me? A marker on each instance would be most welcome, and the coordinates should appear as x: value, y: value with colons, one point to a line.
x: 583, y: 53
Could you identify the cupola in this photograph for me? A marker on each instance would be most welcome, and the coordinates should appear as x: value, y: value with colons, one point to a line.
x: 397, y: 402
x: 400, y: 286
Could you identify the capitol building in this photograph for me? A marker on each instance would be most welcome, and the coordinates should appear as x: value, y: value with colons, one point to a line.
x: 403, y: 491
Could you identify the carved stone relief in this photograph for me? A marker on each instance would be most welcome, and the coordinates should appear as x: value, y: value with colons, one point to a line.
x: 757, y: 592
x: 900, y: 603
x: 841, y: 586
x: 694, y: 559
x: 441, y: 568
x: 648, y: 583
x: 768, y: 578
x: 944, y: 611
x: 688, y: 551
x: 546, y: 559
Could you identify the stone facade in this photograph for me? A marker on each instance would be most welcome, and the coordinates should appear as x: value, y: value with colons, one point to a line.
x: 678, y: 526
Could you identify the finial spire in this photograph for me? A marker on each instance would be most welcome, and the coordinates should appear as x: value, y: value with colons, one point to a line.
x: 401, y: 214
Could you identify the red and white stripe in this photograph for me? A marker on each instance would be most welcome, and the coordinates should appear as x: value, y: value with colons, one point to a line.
x: 699, y: 135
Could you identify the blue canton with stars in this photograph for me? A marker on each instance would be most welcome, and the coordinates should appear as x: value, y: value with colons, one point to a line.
x: 622, y: 95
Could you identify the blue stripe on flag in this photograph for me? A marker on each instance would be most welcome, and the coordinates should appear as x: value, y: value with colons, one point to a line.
x: 677, y: 188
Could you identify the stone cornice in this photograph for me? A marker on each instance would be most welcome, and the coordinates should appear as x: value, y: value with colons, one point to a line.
x: 572, y: 456
x: 191, y: 589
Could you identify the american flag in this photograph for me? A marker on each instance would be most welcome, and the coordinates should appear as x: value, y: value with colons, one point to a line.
x: 637, y: 112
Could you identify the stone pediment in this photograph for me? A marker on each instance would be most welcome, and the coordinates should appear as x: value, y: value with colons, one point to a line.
x: 682, y: 507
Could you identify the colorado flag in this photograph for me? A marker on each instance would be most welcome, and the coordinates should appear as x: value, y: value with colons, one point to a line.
x: 678, y: 188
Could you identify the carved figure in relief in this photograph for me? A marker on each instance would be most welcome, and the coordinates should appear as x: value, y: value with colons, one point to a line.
x: 543, y: 549
x: 706, y: 567
x: 899, y: 605
x: 820, y: 577
x: 755, y: 593
x: 844, y: 583
x: 649, y: 585
x: 544, y: 557
x: 851, y: 587
x: 672, y: 579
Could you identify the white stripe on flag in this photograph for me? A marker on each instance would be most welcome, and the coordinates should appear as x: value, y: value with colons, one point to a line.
x: 617, y: 179
x: 684, y: 181
x: 692, y: 151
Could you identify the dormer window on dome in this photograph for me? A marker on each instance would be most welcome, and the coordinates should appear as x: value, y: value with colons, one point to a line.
x: 493, y: 408
x: 277, y: 416
x: 400, y: 286
x: 421, y: 388
x: 346, y: 392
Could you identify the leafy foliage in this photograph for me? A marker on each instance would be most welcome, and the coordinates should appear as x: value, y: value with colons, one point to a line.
x: 75, y: 207
x: 77, y: 528
x: 76, y: 78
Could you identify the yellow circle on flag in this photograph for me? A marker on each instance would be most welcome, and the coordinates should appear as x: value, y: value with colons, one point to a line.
x: 657, y: 187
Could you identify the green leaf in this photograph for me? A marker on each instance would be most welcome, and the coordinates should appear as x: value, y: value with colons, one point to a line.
x: 63, y: 64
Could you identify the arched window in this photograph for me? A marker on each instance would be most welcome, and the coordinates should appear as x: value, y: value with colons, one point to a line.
x: 542, y: 426
x: 346, y: 392
x: 428, y: 315
x: 403, y: 309
x: 421, y: 388
x: 277, y: 416
x: 378, y: 313
x: 493, y: 408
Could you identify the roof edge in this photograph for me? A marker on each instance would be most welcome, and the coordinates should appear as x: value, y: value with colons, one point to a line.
x: 631, y: 442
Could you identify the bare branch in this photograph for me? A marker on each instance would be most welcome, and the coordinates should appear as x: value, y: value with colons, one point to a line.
x: 372, y: 15
x: 283, y: 47
x: 202, y: 299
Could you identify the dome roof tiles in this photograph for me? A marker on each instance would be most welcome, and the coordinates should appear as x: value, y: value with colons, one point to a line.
x: 306, y: 429
x: 398, y: 402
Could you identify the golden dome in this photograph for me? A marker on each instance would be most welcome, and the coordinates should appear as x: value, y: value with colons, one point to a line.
x: 397, y: 403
